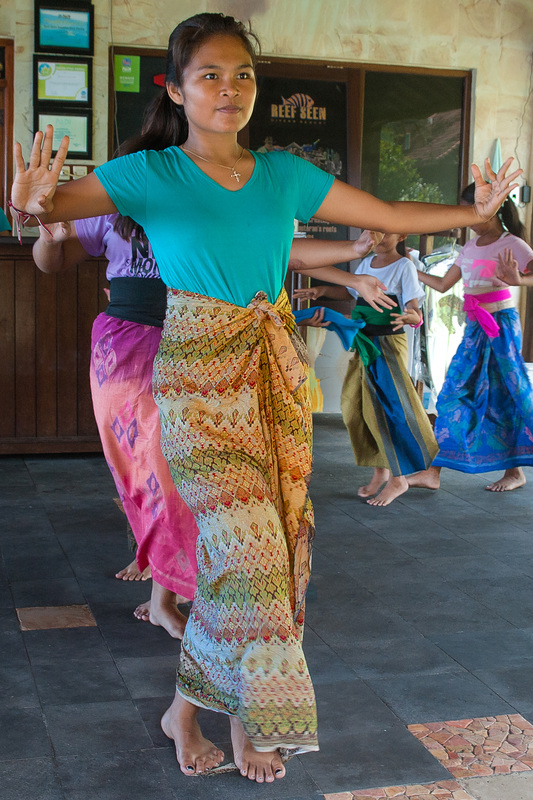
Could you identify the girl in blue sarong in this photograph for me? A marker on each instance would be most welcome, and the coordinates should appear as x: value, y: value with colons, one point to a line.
x: 485, y: 407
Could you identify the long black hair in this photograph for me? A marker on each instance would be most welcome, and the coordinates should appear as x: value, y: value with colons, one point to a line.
x: 507, y: 213
x: 165, y: 123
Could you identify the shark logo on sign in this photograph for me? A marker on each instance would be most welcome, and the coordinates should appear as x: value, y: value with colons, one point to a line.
x: 298, y: 107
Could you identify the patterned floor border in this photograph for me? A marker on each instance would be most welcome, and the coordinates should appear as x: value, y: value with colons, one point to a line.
x: 468, y: 748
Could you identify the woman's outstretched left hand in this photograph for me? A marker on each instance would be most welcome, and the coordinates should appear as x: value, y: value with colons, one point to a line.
x: 34, y: 188
x: 489, y: 196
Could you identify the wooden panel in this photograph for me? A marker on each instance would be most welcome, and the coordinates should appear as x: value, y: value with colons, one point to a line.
x: 67, y: 353
x: 7, y: 350
x: 45, y: 327
x: 45, y: 355
x: 88, y: 306
x: 25, y: 348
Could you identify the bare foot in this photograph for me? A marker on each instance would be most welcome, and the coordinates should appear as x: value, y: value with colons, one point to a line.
x: 142, y: 611
x: 133, y: 573
x: 378, y: 479
x: 195, y: 754
x: 427, y: 479
x: 256, y: 766
x: 163, y: 611
x: 512, y: 479
x: 392, y: 489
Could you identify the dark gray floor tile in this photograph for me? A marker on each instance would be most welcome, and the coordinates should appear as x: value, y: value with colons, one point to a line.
x: 119, y: 776
x: 362, y: 760
x: 149, y: 677
x: 6, y: 598
x: 233, y: 786
x: 77, y: 729
x: 79, y: 682
x: 491, y: 649
x: 406, y: 655
x: 12, y: 650
x: 461, y: 569
x: 30, y: 779
x: 513, y: 684
x: 435, y: 698
x: 32, y: 564
x: 513, y: 601
x: 323, y: 662
x: 9, y: 621
x: 18, y: 686
x: 27, y: 737
x: 68, y: 644
x: 128, y: 637
x: 47, y: 592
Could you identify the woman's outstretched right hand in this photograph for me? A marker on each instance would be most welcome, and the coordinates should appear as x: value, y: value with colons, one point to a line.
x: 34, y: 188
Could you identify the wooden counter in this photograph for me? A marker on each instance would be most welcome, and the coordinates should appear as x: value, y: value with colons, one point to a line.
x: 45, y: 337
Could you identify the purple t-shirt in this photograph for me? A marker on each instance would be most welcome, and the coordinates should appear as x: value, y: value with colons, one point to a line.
x: 130, y: 259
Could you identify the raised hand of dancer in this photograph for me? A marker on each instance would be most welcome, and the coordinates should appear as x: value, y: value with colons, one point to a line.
x: 311, y: 293
x: 489, y: 196
x: 366, y: 243
x: 56, y: 232
x: 409, y: 316
x: 507, y: 269
x: 34, y: 188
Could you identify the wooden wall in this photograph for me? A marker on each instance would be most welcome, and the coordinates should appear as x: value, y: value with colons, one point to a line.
x: 45, y: 336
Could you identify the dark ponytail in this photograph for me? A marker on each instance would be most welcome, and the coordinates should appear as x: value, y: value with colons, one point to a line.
x: 507, y: 213
x: 165, y: 123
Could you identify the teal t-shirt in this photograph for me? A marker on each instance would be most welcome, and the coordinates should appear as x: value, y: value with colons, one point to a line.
x: 210, y: 240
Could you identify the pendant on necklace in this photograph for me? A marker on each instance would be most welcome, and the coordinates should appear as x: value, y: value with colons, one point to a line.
x: 235, y: 175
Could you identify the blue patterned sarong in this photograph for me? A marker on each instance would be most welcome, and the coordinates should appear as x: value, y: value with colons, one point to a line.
x: 485, y: 407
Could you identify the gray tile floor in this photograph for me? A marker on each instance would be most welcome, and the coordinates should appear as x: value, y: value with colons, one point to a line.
x: 419, y: 612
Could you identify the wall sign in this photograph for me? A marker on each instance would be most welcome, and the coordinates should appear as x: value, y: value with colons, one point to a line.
x: 64, y: 27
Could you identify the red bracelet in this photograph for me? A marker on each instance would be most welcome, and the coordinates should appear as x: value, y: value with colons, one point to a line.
x: 22, y: 219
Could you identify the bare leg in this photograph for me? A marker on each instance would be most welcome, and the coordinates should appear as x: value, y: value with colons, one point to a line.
x: 133, y: 573
x: 163, y: 611
x: 427, y: 479
x: 378, y: 479
x: 194, y: 753
x: 392, y: 489
x: 259, y: 767
x: 512, y: 479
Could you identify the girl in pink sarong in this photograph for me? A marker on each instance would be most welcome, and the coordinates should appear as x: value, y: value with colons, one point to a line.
x: 125, y: 339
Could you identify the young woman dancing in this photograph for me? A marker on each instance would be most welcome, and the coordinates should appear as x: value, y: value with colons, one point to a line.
x: 229, y: 377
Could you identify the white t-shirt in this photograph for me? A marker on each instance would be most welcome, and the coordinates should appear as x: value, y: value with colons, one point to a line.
x: 400, y: 278
x: 478, y: 264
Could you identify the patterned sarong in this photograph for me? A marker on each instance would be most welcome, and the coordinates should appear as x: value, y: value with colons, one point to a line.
x: 233, y: 398
x: 485, y: 407
x: 386, y: 421
x: 128, y: 422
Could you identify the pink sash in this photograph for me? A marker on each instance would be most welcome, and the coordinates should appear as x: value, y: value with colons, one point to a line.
x: 474, y: 311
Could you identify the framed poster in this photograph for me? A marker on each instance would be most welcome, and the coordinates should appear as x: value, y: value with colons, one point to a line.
x: 64, y: 27
x: 62, y: 79
x: 307, y: 117
x: 77, y: 125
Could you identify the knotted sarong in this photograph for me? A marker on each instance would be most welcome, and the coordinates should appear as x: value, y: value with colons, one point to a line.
x: 128, y: 422
x: 232, y: 391
x: 382, y: 411
x: 485, y: 407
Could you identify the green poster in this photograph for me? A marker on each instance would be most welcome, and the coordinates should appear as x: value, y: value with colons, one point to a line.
x: 127, y: 73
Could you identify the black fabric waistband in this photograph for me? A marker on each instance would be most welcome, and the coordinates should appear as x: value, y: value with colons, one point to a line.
x: 142, y: 300
x: 380, y: 330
